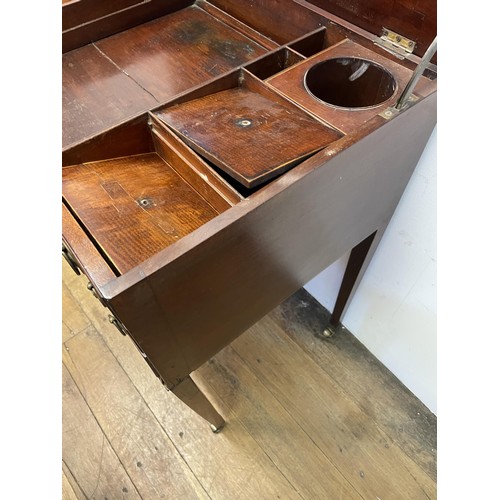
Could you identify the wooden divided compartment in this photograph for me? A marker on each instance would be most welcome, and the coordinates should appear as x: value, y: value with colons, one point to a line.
x: 134, y: 206
x: 200, y: 155
x: 218, y: 156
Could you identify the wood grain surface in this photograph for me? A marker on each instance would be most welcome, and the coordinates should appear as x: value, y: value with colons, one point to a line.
x: 87, y: 451
x: 118, y: 77
x: 67, y: 490
x: 416, y: 21
x: 96, y: 94
x: 291, y: 84
x: 273, y: 63
x: 192, y: 168
x: 116, y: 21
x: 142, y: 448
x: 134, y: 207
x: 355, y: 445
x: 89, y: 260
x: 179, y: 51
x: 251, y: 119
x: 278, y: 20
x: 84, y: 11
x: 71, y: 481
x: 394, y: 409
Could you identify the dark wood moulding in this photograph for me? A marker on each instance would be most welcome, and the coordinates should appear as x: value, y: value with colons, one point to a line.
x: 204, y: 182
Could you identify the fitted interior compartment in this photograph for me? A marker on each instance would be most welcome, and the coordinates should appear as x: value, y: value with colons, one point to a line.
x: 233, y: 97
x: 134, y: 206
x: 346, y: 84
x: 246, y: 129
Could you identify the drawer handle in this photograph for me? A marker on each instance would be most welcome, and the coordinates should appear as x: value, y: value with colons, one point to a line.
x: 90, y: 287
x: 118, y: 325
x: 70, y: 260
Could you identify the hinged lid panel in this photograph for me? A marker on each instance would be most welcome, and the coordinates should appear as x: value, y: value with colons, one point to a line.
x: 412, y: 19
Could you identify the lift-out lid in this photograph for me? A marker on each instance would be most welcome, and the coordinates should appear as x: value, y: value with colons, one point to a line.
x: 415, y: 20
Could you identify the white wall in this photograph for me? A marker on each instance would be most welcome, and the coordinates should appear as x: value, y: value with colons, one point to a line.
x: 393, y: 312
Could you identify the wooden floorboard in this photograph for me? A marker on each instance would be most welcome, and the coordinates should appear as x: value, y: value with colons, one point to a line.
x: 395, y: 410
x: 69, y: 478
x: 339, y: 427
x: 67, y: 490
x: 306, y: 417
x: 145, y: 451
x: 87, y: 452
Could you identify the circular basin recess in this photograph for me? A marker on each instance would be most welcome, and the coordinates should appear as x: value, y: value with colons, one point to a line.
x: 349, y: 82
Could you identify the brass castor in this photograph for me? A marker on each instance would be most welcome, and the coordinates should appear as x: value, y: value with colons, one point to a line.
x: 215, y: 429
x: 329, y: 331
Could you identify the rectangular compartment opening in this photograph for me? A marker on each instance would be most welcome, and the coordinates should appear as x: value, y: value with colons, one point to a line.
x: 316, y: 41
x: 274, y: 63
x: 134, y: 206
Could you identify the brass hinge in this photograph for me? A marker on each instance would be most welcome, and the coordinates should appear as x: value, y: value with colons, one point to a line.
x: 395, y: 43
x: 407, y: 98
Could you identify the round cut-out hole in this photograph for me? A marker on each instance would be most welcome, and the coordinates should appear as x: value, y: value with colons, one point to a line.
x: 349, y: 82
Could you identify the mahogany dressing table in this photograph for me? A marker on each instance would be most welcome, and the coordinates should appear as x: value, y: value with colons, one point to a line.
x: 219, y: 155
